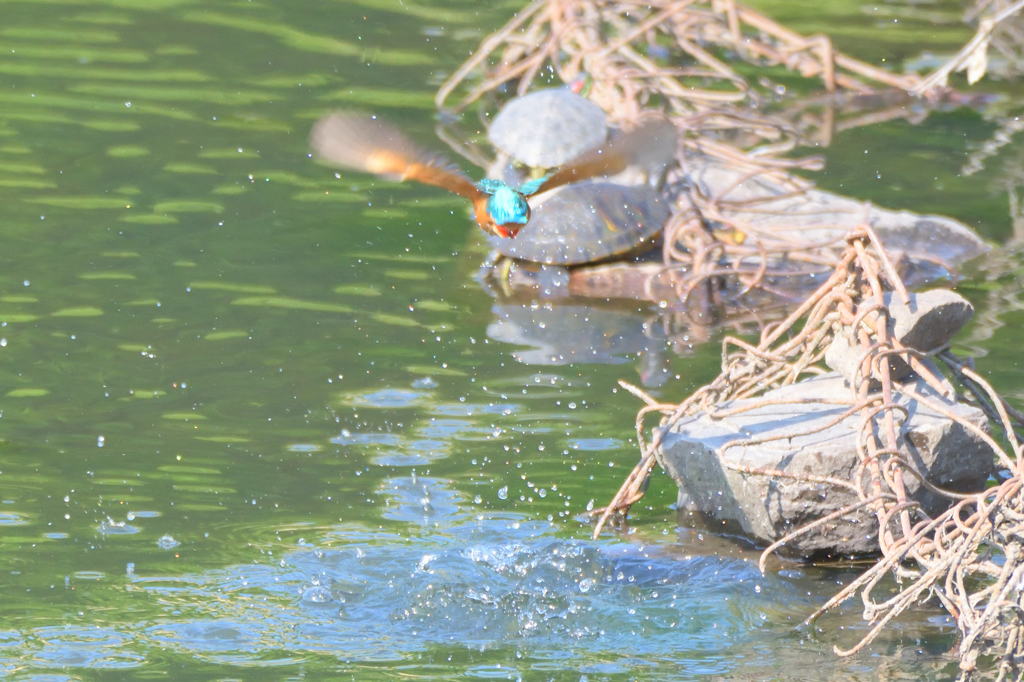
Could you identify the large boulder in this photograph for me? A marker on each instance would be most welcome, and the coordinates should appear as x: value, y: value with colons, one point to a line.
x: 694, y: 452
x: 923, y: 247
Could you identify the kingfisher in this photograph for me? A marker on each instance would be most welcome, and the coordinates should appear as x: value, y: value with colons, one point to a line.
x: 367, y: 144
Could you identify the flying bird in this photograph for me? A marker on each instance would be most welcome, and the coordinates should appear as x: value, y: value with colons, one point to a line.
x: 364, y: 143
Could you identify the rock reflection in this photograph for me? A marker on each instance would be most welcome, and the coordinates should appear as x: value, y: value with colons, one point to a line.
x: 565, y: 333
x: 562, y: 335
x: 1001, y: 293
x: 424, y: 443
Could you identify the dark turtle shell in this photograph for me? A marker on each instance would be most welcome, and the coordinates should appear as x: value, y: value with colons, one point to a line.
x: 588, y: 222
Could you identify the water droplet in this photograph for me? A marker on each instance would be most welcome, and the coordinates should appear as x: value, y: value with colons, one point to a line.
x: 316, y: 595
x: 167, y: 542
x: 503, y: 493
x: 586, y: 584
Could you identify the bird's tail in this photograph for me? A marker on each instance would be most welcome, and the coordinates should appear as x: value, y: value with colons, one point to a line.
x: 363, y: 143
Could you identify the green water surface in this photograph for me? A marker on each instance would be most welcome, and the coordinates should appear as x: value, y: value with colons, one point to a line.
x: 258, y: 419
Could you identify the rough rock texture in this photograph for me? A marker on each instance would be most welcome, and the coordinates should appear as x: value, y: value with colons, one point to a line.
x: 845, y: 358
x: 930, y: 321
x: 693, y: 453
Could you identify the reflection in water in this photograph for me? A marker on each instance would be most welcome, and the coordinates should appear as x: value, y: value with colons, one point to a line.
x: 570, y: 331
x: 387, y: 398
x: 425, y: 501
x: 566, y: 334
x: 9, y: 519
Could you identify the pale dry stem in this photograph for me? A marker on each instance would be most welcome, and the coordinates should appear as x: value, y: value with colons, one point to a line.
x: 980, y: 537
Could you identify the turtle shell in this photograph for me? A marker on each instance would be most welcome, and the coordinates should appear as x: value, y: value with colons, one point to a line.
x: 547, y: 128
x: 588, y: 222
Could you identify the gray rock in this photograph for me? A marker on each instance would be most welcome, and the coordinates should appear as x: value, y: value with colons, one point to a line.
x: 845, y: 358
x: 694, y: 453
x: 922, y: 247
x: 930, y: 321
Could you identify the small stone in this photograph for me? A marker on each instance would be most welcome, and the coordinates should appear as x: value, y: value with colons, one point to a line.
x: 845, y: 358
x: 930, y: 321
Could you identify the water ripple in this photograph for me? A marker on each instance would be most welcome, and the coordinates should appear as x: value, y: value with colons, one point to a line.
x: 84, y: 647
x: 11, y: 519
x: 387, y: 398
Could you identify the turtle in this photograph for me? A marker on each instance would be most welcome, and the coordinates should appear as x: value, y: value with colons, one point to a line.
x: 583, y: 222
x: 364, y: 143
x: 589, y: 222
x: 548, y: 128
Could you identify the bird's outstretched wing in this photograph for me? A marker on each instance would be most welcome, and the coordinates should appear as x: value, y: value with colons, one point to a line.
x: 362, y: 143
x: 652, y: 143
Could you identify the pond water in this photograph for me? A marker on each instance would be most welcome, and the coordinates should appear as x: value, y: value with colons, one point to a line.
x: 258, y: 421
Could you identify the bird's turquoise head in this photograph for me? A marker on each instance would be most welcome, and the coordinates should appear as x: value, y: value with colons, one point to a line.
x: 507, y: 205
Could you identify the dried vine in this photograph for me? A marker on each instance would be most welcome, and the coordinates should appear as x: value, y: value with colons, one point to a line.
x: 970, y: 558
x: 674, y: 55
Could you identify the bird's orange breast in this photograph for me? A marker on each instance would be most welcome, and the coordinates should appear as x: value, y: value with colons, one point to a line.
x: 487, y: 224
